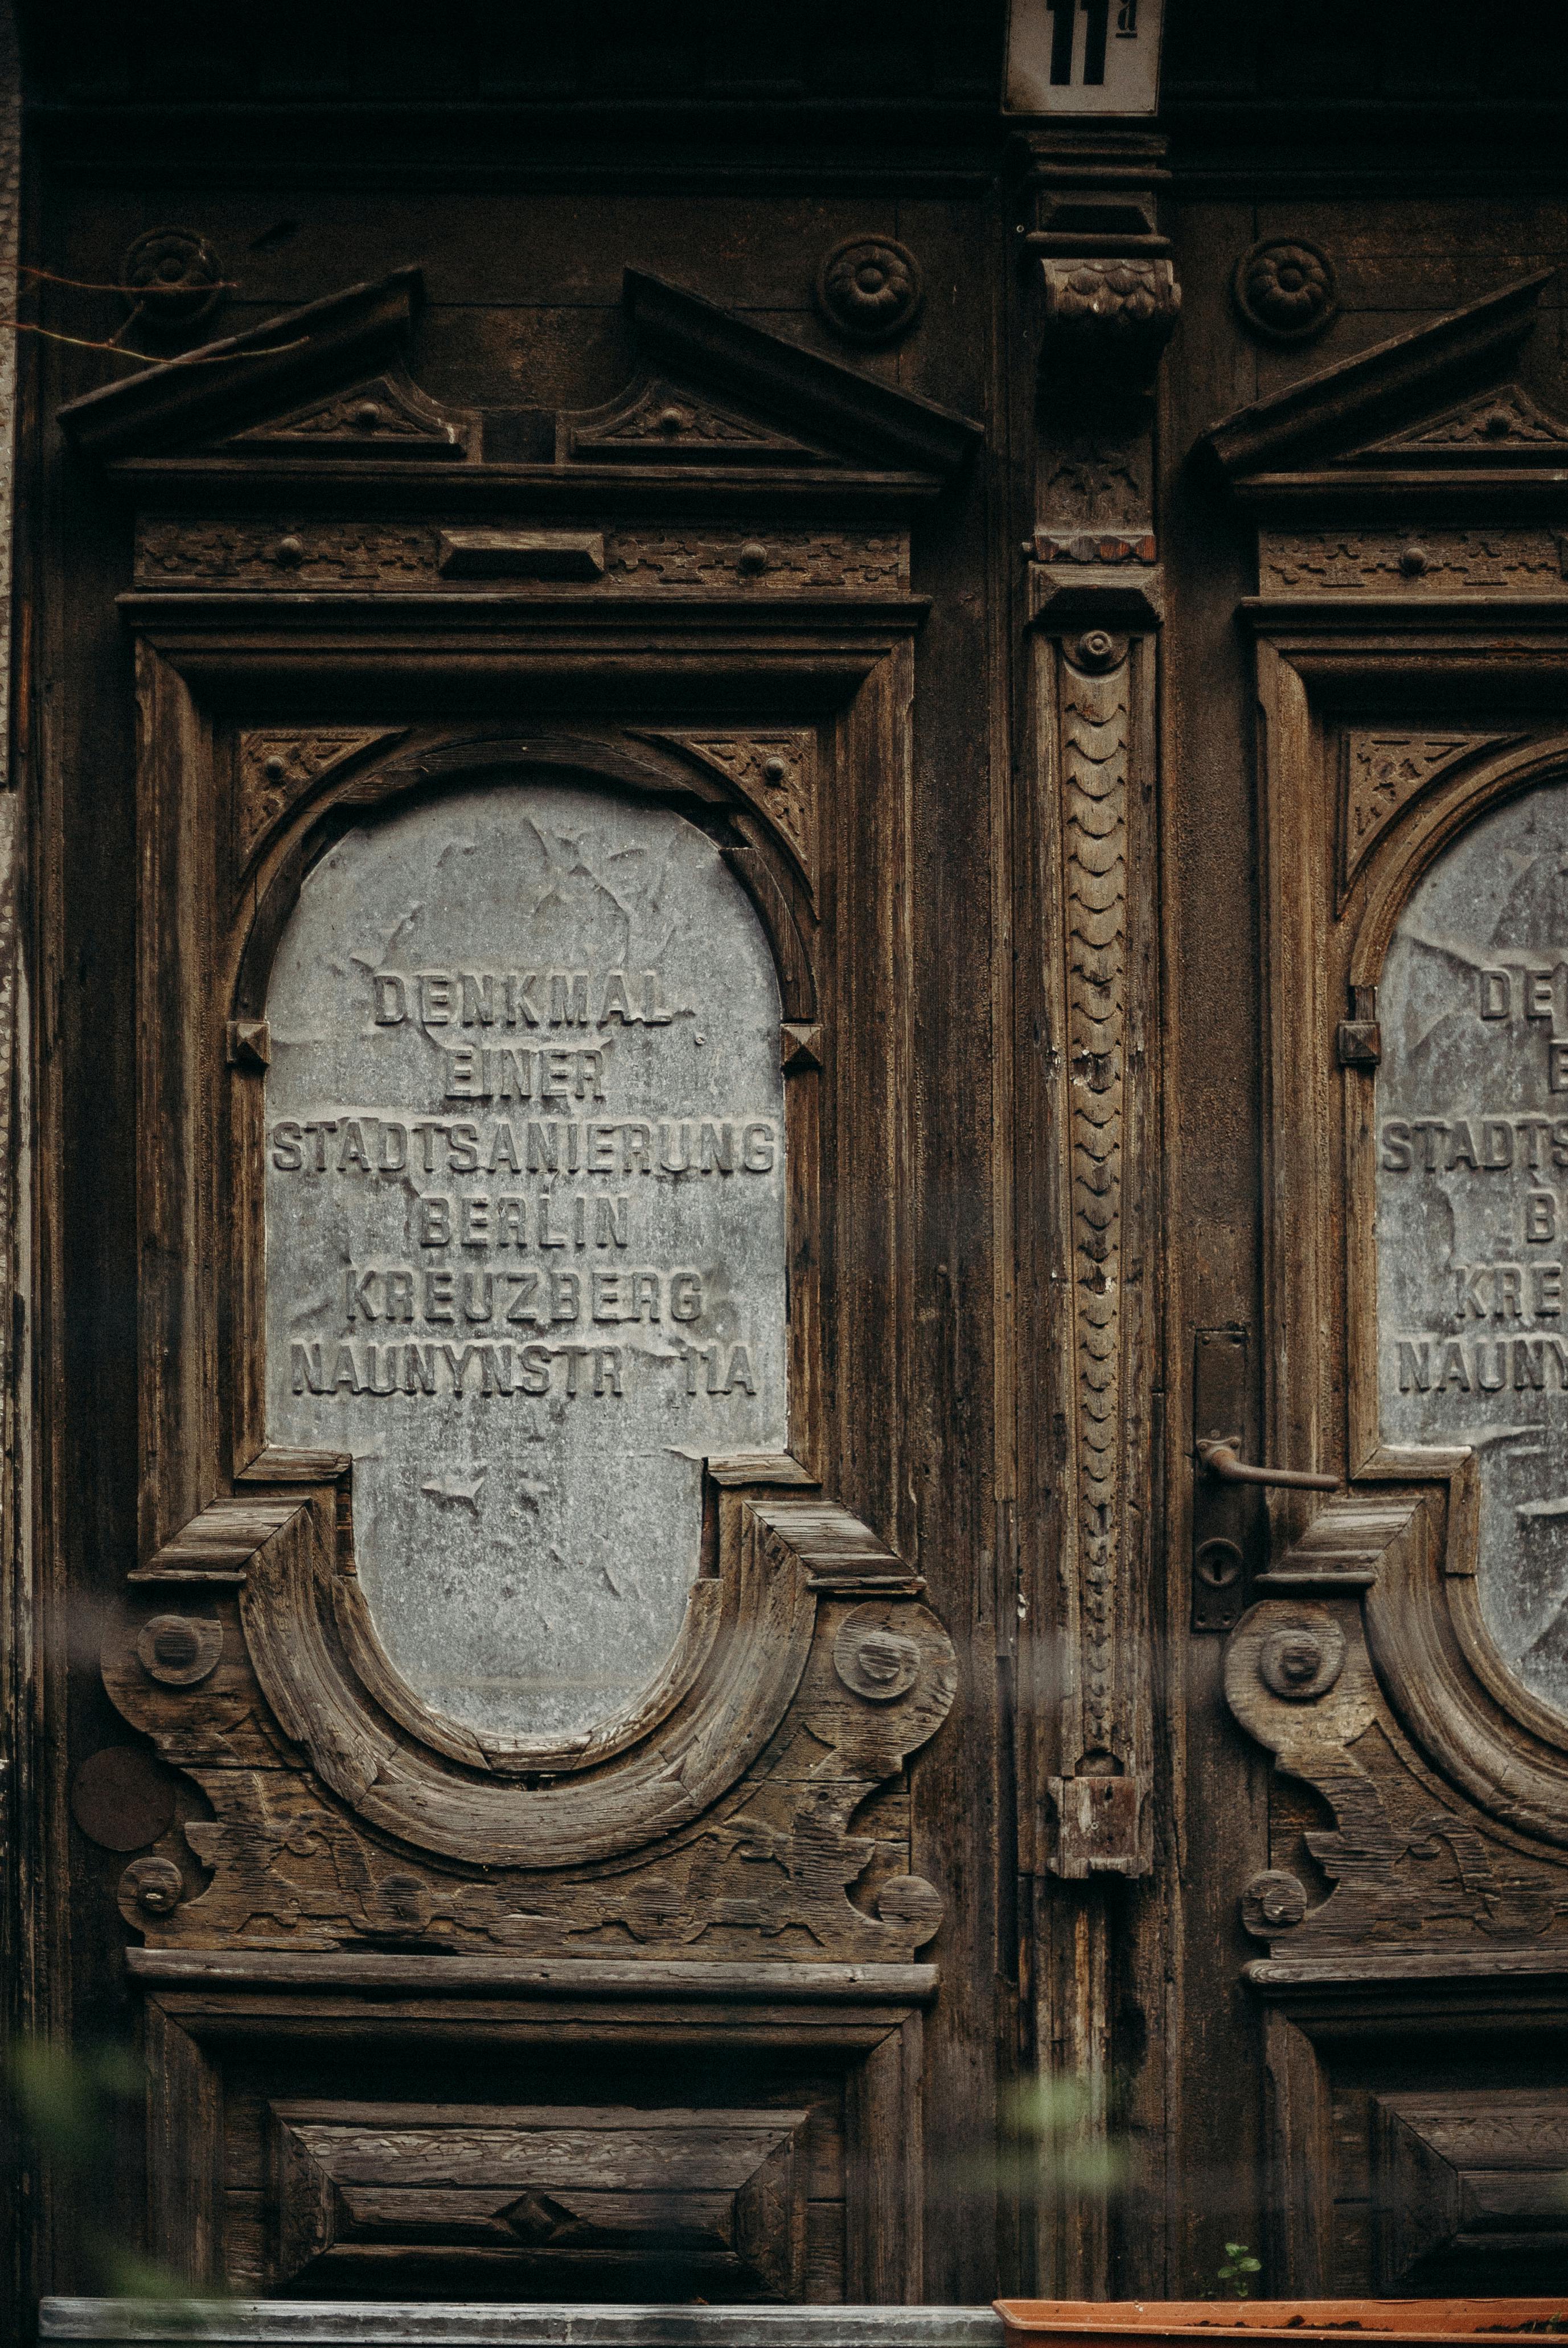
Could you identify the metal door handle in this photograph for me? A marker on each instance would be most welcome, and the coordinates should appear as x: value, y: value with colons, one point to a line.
x: 1220, y: 1455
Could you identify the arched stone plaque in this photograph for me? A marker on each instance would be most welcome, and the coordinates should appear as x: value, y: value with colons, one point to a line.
x: 1473, y: 1203
x: 525, y: 1210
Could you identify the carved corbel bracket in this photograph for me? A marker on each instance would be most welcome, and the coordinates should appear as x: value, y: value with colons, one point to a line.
x: 1108, y: 317
x: 1107, y: 285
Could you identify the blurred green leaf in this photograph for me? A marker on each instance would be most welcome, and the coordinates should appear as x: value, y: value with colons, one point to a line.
x: 64, y: 2098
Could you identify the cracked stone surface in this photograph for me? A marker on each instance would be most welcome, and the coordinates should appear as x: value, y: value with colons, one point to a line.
x: 525, y: 1201
x: 1472, y: 1187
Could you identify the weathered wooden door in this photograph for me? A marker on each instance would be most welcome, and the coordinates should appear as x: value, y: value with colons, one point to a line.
x: 530, y: 1455
x: 694, y: 1078
x: 1366, y: 1084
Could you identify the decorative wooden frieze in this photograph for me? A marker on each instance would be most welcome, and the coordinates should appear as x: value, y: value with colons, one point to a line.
x: 277, y: 767
x: 295, y: 553
x: 1420, y: 561
x: 285, y: 553
x: 775, y: 560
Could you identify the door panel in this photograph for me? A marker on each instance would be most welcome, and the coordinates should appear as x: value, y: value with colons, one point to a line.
x: 449, y: 1981
x: 1410, y: 745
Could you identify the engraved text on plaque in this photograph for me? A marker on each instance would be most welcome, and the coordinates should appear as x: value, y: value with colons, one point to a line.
x: 526, y: 1230
x: 1473, y: 1203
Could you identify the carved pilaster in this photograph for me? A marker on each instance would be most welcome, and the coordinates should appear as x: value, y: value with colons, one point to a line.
x: 1094, y: 734
x: 1099, y: 302
x: 1110, y: 301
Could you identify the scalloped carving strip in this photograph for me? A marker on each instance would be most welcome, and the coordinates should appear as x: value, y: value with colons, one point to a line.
x: 1094, y: 771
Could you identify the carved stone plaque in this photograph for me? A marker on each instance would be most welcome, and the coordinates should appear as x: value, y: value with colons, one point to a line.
x: 1473, y: 1203
x: 525, y: 1197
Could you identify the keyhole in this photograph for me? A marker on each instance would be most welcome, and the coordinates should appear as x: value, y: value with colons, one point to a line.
x: 1218, y: 1564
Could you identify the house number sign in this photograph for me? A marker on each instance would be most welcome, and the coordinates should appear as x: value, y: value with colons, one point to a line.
x: 1473, y: 1203
x: 1083, y: 56
x: 525, y: 1211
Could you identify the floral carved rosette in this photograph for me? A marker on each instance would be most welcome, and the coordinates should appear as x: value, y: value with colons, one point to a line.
x: 869, y: 288
x: 1286, y: 291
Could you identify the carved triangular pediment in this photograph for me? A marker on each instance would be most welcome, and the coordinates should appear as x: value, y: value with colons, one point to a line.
x: 1506, y: 423
x: 386, y: 415
x: 1428, y: 421
x: 821, y: 400
x: 187, y: 404
x: 717, y: 405
x: 661, y: 423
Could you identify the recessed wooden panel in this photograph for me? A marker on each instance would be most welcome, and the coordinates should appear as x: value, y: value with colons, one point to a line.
x: 720, y: 2195
x: 1481, y: 2172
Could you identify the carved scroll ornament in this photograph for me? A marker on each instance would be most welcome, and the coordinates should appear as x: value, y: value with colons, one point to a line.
x: 1407, y: 1863
x: 808, y: 1647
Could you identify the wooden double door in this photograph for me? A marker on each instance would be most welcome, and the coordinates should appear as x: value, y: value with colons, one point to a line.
x: 693, y: 1084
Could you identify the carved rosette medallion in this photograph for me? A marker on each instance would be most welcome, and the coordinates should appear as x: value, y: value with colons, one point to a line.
x: 171, y: 277
x: 1286, y: 290
x: 869, y: 288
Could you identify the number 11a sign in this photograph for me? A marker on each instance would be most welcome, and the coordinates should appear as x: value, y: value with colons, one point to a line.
x: 1083, y: 56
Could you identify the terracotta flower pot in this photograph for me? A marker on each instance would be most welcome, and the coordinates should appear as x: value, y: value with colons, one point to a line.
x: 1111, y: 2324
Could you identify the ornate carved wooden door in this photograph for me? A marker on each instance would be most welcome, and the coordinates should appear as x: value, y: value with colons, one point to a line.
x: 1396, y: 1638
x: 529, y: 1594
x: 670, y: 1186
